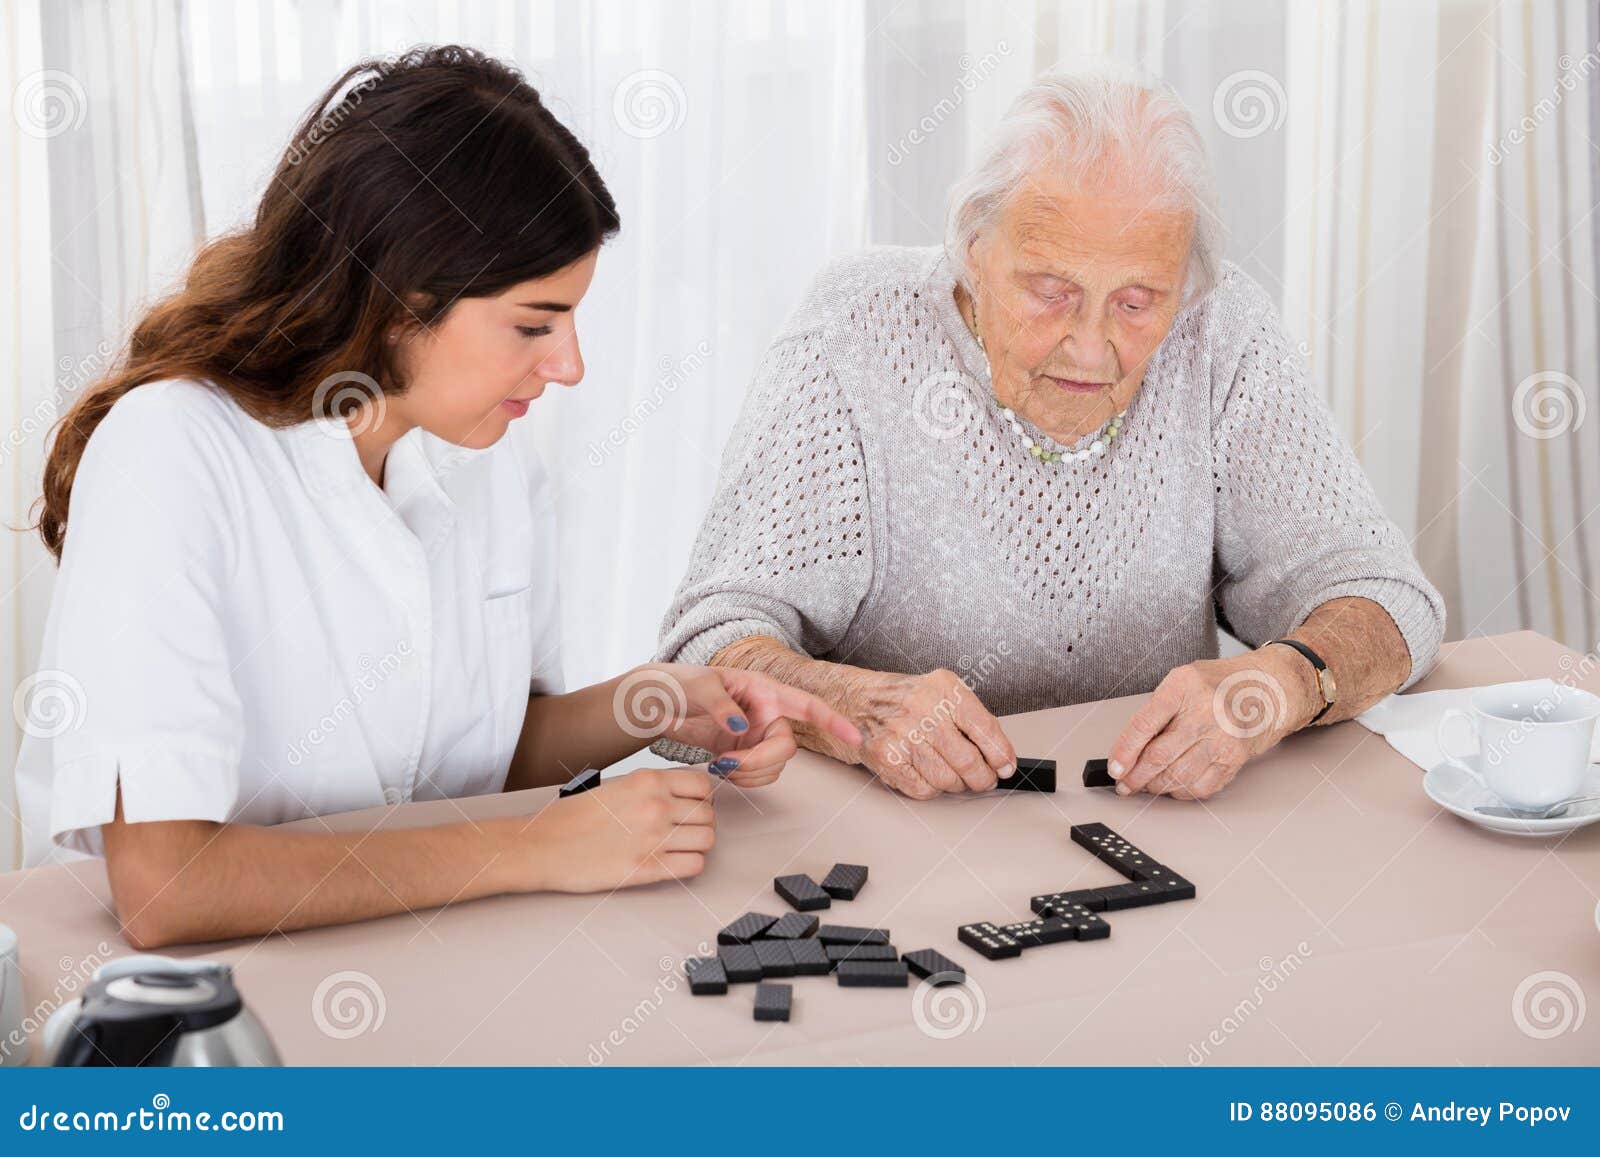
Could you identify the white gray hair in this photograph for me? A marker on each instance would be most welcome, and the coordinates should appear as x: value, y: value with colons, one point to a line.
x: 1072, y: 121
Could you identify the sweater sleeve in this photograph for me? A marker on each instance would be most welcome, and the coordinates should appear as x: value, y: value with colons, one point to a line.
x: 786, y: 547
x: 1298, y: 522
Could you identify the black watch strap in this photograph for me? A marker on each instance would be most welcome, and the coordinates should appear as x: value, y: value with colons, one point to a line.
x: 1316, y: 661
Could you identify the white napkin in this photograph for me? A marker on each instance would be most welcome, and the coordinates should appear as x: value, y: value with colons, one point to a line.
x: 1411, y: 722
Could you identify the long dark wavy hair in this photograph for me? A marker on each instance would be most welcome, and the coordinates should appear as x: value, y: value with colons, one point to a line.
x: 413, y: 182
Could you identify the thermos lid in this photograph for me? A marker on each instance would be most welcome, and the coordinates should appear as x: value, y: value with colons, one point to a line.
x: 197, y: 1000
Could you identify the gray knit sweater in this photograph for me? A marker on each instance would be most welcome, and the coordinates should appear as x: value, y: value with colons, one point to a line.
x: 875, y: 508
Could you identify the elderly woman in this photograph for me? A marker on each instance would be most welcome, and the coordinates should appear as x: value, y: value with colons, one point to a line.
x: 1034, y: 467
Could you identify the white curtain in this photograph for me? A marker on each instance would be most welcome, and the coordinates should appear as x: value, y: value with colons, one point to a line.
x: 1414, y: 182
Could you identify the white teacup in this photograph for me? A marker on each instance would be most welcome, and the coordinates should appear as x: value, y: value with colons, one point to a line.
x: 1534, y: 740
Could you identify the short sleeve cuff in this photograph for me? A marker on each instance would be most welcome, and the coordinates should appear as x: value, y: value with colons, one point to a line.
x: 158, y: 782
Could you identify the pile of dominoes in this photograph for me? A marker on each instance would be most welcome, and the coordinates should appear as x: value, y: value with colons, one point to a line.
x: 758, y: 947
x: 1063, y: 916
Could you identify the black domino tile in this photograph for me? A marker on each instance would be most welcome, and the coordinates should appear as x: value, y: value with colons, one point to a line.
x: 801, y: 892
x: 873, y: 974
x: 791, y: 926
x: 1151, y: 872
x: 845, y: 881
x: 1172, y: 887
x: 1117, y: 898
x: 1089, y: 898
x: 706, y: 975
x: 773, y: 1001
x: 1091, y: 926
x: 740, y: 962
x: 810, y: 957
x: 1034, y: 933
x: 1031, y: 775
x: 746, y: 928
x: 775, y: 957
x: 840, y: 952
x: 1086, y: 924
x: 1112, y: 849
x: 844, y: 934
x: 988, y: 941
x: 1121, y: 897
x: 934, y: 967
x: 1096, y: 774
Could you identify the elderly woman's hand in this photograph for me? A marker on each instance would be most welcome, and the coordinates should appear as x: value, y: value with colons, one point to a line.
x: 1207, y: 718
x: 927, y: 734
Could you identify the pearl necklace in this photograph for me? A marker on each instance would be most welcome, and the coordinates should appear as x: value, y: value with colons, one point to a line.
x: 1109, y: 430
x: 1102, y: 438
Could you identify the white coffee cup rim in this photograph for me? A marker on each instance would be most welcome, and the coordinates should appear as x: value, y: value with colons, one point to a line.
x: 1489, y: 701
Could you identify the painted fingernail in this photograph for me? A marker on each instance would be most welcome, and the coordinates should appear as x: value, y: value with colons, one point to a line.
x: 1115, y: 769
x: 738, y: 724
x: 724, y: 765
x: 1006, y: 771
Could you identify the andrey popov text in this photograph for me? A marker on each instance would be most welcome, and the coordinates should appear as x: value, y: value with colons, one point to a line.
x: 1449, y: 1113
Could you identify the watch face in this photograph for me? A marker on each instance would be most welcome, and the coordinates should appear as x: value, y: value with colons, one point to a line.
x: 1329, y: 688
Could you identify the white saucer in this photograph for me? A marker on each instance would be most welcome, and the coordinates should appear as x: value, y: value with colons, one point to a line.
x: 1456, y: 791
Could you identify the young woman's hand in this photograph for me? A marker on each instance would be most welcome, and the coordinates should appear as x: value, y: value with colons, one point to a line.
x: 649, y: 825
x: 741, y: 715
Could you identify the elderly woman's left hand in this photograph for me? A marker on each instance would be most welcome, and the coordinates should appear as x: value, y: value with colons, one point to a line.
x: 1207, y: 718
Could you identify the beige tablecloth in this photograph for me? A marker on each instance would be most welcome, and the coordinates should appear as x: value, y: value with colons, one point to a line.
x: 1342, y: 919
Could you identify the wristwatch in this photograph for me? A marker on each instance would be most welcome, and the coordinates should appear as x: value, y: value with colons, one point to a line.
x: 1325, y: 682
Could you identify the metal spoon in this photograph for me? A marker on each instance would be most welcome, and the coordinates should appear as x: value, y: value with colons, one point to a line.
x: 1553, y: 812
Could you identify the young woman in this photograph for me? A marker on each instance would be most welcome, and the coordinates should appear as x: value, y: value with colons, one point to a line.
x: 303, y: 570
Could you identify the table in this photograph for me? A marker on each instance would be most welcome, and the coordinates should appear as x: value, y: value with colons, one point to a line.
x: 1342, y: 919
